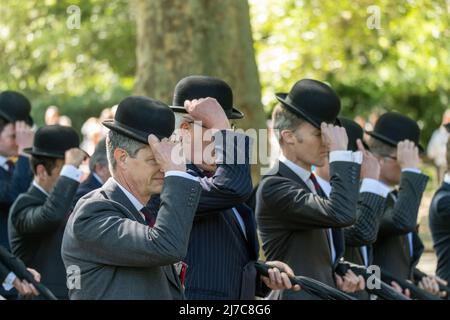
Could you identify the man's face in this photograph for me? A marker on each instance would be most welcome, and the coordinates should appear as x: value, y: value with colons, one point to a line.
x: 198, y: 144
x: 143, y: 173
x: 8, y: 146
x: 308, y: 146
x: 390, y: 171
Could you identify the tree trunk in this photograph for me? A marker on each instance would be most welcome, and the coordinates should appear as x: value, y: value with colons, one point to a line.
x: 177, y: 38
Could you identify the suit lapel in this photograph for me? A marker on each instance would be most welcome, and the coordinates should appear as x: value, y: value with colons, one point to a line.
x: 112, y: 191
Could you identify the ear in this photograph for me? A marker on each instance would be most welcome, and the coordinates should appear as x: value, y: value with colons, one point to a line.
x: 185, y: 125
x: 41, y: 172
x: 120, y: 156
x: 287, y: 136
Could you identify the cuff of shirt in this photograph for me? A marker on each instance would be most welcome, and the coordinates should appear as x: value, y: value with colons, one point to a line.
x: 71, y: 172
x: 8, y: 283
x: 374, y: 186
x: 414, y: 170
x: 181, y: 174
x: 347, y: 156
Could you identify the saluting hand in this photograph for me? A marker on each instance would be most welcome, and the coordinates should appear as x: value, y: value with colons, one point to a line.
x: 24, y: 136
x: 168, y: 154
x: 407, y: 154
x: 370, y: 167
x: 209, y: 112
x: 334, y: 137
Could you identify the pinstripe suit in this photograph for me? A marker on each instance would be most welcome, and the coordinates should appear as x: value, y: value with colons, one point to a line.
x: 392, y: 248
x: 220, y: 255
x: 440, y: 229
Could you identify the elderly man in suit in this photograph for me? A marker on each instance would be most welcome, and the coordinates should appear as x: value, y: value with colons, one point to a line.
x: 122, y: 250
x: 38, y: 217
x: 223, y: 236
x: 297, y: 223
x: 99, y: 172
x: 397, y: 250
x: 439, y: 219
x: 9, y: 280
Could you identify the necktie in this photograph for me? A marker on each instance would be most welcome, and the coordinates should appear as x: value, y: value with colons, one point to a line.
x: 150, y: 218
x: 316, y: 184
x: 10, y: 164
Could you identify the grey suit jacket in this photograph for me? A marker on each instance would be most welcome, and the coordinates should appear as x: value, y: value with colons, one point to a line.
x: 118, y: 255
x: 293, y: 221
x: 36, y: 227
x: 392, y: 250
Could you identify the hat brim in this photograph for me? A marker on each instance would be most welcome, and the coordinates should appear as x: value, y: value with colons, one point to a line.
x: 129, y: 132
x: 38, y: 153
x: 6, y: 116
x: 388, y: 141
x: 235, y: 113
x: 447, y: 127
x: 282, y: 98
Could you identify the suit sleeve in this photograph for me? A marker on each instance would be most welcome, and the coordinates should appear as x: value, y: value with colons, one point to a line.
x: 119, y: 241
x: 5, y: 256
x: 443, y: 208
x: 18, y: 183
x: 29, y: 218
x: 368, y: 212
x: 298, y: 209
x: 402, y: 217
x: 231, y: 184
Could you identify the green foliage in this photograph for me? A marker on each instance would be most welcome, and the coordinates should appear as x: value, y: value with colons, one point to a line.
x: 80, y: 70
x: 403, y: 66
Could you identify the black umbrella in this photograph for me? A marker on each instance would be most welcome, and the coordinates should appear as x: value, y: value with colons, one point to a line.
x: 311, y: 286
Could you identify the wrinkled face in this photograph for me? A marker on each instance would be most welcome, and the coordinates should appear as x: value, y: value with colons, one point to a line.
x: 142, y: 173
x: 390, y: 171
x: 8, y: 146
x: 306, y: 144
x: 198, y: 144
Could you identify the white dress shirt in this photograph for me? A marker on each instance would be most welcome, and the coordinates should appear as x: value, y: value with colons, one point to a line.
x: 3, y: 163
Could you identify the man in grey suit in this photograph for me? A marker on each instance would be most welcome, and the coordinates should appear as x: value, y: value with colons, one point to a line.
x: 113, y: 247
x: 38, y: 217
x: 297, y: 223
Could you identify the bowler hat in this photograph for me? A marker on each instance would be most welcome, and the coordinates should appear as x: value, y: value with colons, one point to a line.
x: 392, y: 128
x: 354, y: 132
x: 197, y: 87
x: 312, y: 100
x: 137, y: 117
x: 14, y: 106
x: 53, y: 141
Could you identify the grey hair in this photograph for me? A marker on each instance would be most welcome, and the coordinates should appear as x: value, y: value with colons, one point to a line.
x: 283, y: 119
x: 380, y: 148
x: 99, y: 156
x: 116, y: 140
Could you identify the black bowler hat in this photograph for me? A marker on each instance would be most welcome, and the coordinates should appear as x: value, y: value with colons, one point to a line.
x: 53, y: 141
x: 312, y: 100
x: 137, y: 117
x: 393, y: 127
x: 197, y: 87
x: 354, y: 132
x: 14, y: 106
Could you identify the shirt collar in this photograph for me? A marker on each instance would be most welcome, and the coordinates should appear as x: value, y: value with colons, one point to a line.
x: 3, y: 161
x: 37, y: 186
x: 96, y: 176
x: 302, y: 173
x: 130, y: 197
x: 325, y: 185
x: 447, y: 178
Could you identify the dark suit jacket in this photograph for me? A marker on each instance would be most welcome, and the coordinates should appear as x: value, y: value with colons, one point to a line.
x: 392, y: 250
x: 118, y: 255
x: 88, y: 185
x: 10, y: 188
x: 4, y: 267
x: 36, y: 228
x: 439, y: 219
x: 293, y: 222
x: 364, y: 231
x: 220, y: 257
